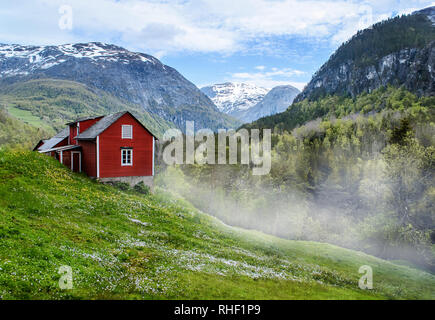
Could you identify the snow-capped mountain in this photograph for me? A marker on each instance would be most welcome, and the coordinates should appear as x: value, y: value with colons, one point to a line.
x: 45, y: 57
x: 248, y: 102
x: 135, y: 77
x: 234, y: 98
x: 277, y: 100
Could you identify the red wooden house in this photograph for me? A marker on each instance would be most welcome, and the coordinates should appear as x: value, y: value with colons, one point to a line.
x: 116, y: 147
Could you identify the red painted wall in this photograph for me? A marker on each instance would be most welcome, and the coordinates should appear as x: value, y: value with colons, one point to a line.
x: 110, y: 150
x: 63, y: 143
x: 72, y: 133
x: 66, y: 158
x: 84, y: 125
x: 89, y: 157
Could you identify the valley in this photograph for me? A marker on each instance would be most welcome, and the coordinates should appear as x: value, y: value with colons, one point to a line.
x: 351, y: 183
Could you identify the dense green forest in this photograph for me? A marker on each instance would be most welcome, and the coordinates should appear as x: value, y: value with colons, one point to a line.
x: 334, y: 106
x: 361, y: 177
x: 369, y: 45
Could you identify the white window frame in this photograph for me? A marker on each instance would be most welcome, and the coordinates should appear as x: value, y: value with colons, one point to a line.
x: 122, y: 131
x: 131, y: 157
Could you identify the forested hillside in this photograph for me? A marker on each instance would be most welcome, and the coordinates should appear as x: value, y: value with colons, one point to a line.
x: 398, y: 51
x: 17, y: 134
x: 336, y: 106
x: 49, y: 104
x: 364, y: 180
x: 354, y: 156
x: 391, y: 35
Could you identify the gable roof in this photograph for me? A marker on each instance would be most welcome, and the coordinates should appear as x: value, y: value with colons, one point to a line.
x: 95, y: 130
x: 50, y: 143
x: 84, y: 119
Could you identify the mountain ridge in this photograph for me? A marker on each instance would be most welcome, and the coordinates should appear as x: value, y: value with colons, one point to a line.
x: 234, y: 98
x: 397, y: 51
x: 135, y: 77
x: 49, y: 104
x: 275, y: 101
x: 248, y: 102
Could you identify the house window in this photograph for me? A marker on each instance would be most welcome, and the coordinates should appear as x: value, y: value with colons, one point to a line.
x: 127, y: 132
x: 126, y: 157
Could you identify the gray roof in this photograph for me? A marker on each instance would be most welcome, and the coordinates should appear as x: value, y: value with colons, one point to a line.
x: 50, y: 143
x: 84, y: 119
x: 100, y: 126
x: 63, y: 148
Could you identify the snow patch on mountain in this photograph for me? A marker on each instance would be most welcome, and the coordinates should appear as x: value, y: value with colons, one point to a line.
x: 248, y: 102
x: 46, y: 57
x: 276, y: 101
x: 231, y: 98
x: 134, y: 77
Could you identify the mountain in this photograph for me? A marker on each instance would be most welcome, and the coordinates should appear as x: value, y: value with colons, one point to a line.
x: 381, y: 67
x: 235, y: 98
x: 50, y: 103
x: 248, y: 102
x: 127, y: 245
x: 399, y: 51
x: 275, y: 101
x: 133, y: 77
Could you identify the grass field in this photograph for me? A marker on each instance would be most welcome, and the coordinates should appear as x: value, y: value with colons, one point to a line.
x: 125, y: 245
x: 27, y: 117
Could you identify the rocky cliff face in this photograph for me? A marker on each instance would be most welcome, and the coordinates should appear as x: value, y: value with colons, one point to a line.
x: 359, y: 66
x: 134, y: 77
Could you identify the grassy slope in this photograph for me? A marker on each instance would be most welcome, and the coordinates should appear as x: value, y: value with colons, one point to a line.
x: 125, y: 245
x: 49, y: 104
x: 17, y: 134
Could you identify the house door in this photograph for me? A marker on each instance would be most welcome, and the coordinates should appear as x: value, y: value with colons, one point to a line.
x: 76, y: 161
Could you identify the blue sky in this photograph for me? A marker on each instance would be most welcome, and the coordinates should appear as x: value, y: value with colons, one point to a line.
x: 264, y: 42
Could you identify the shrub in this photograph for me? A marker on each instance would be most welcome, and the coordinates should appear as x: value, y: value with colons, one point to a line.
x: 121, y: 185
x: 142, y: 188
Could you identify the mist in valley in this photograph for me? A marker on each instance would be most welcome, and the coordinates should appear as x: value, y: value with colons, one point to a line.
x: 357, y: 191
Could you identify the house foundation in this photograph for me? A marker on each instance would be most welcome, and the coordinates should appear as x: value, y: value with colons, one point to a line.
x: 132, y: 181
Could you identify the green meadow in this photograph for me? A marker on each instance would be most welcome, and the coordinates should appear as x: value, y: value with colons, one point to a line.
x: 127, y: 245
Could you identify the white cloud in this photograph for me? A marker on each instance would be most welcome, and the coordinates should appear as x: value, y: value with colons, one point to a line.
x: 161, y: 26
x: 270, y: 78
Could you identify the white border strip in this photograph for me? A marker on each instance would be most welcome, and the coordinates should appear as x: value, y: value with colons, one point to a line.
x: 154, y: 143
x: 98, y: 157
